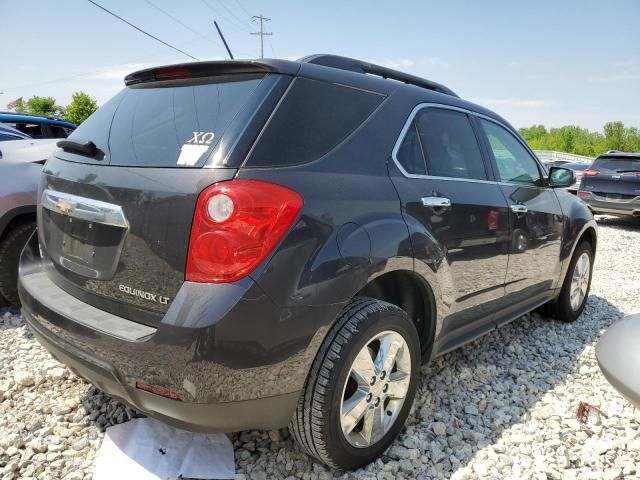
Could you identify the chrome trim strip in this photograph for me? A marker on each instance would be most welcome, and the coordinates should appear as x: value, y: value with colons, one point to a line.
x: 407, y: 125
x: 88, y: 209
x: 403, y: 132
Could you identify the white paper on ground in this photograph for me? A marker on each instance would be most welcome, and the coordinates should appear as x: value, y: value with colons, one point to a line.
x: 145, y: 449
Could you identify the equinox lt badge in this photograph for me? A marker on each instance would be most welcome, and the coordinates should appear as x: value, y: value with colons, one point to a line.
x: 154, y: 297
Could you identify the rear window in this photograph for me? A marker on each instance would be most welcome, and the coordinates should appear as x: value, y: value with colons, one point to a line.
x: 313, y: 118
x: 615, y: 164
x: 34, y: 130
x: 154, y: 125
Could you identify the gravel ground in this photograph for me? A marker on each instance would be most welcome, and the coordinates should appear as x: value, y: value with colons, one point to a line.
x: 501, y: 407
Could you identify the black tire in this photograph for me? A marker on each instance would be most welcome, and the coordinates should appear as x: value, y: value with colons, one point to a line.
x: 316, y: 422
x: 561, y: 309
x: 10, y: 249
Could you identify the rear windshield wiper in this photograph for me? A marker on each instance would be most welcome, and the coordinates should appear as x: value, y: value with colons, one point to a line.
x: 628, y: 170
x: 87, y: 148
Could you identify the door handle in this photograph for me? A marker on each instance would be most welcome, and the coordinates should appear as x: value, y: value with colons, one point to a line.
x: 517, y: 208
x: 436, y: 202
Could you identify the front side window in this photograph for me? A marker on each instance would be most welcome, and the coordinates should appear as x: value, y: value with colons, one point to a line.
x: 441, y: 143
x: 514, y: 163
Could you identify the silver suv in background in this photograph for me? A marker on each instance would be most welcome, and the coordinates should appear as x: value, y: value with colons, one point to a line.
x: 20, y: 168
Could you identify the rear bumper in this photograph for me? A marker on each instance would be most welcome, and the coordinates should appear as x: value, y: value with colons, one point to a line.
x: 623, y: 207
x: 233, y: 356
x: 619, y: 358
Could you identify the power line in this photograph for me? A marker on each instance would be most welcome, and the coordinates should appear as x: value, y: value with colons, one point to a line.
x: 230, y: 12
x: 243, y: 9
x: 141, y: 30
x: 178, y: 21
x: 232, y: 21
x: 262, y: 33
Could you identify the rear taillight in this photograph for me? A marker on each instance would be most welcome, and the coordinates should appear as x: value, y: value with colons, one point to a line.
x: 236, y: 225
x: 590, y: 173
x: 583, y: 194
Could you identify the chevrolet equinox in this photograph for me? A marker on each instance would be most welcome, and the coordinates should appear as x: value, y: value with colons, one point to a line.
x: 237, y: 245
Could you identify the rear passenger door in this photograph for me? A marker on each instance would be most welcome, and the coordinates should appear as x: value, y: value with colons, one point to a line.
x: 457, y: 218
x: 535, y: 219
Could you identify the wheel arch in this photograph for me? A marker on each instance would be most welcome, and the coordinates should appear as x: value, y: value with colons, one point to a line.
x: 408, y: 291
x: 16, y: 216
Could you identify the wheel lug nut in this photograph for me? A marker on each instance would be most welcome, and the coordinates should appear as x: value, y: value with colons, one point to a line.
x: 377, y: 402
x: 385, y: 388
x: 369, y: 397
x: 373, y: 380
x: 382, y: 375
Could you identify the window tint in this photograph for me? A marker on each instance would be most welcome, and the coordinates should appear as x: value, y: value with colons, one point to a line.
x: 312, y: 119
x: 442, y: 143
x: 410, y: 154
x: 175, y: 126
x: 514, y: 163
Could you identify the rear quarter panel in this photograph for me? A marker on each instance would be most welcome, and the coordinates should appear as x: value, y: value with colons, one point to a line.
x: 18, y: 191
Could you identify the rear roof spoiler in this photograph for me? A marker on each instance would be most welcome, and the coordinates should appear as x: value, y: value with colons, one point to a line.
x: 212, y: 68
x: 230, y: 67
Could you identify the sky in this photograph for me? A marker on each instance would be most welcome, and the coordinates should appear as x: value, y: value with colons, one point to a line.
x: 570, y: 62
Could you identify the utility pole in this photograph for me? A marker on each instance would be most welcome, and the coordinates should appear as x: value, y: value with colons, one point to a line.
x: 262, y: 33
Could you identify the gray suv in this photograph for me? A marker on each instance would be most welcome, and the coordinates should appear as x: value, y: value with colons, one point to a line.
x: 254, y: 244
x: 612, y: 184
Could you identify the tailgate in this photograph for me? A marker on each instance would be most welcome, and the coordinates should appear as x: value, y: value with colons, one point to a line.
x: 118, y: 237
x: 115, y: 220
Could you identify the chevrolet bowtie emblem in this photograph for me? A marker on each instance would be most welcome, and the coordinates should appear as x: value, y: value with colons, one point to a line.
x: 65, y: 207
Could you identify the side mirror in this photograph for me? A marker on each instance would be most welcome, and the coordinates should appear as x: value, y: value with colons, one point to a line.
x: 561, y: 177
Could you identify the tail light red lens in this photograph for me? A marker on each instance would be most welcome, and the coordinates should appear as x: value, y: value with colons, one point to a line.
x: 236, y: 225
x: 583, y: 194
x: 590, y: 173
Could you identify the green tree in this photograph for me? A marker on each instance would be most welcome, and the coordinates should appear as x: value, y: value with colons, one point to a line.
x: 45, y: 106
x: 80, y: 108
x: 573, y: 139
x: 614, y: 136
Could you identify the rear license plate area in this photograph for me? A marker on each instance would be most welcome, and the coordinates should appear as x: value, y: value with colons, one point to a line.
x: 77, y: 241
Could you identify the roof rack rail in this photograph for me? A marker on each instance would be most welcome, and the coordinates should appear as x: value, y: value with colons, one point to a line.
x: 359, y: 66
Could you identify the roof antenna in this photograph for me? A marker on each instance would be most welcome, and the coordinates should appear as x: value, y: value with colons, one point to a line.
x: 223, y: 40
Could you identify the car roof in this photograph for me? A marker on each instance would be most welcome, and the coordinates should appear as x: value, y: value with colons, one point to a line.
x: 29, y: 150
x: 330, y: 67
x: 615, y: 154
x: 20, y: 117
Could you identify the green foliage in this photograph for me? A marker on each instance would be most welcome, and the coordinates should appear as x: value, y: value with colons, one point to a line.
x: 45, y: 106
x: 573, y: 139
x: 80, y: 108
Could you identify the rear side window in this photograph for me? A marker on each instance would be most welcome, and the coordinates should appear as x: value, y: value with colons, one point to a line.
x: 174, y: 126
x: 441, y: 143
x: 312, y: 119
x: 58, y: 132
x: 616, y: 164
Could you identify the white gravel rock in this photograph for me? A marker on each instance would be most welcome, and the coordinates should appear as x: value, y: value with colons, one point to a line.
x: 501, y: 407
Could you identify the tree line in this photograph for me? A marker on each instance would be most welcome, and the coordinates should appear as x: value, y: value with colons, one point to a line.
x: 80, y: 108
x: 573, y: 139
x: 570, y: 138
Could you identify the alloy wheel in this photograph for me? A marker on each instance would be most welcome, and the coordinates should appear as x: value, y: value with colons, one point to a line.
x: 375, y: 389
